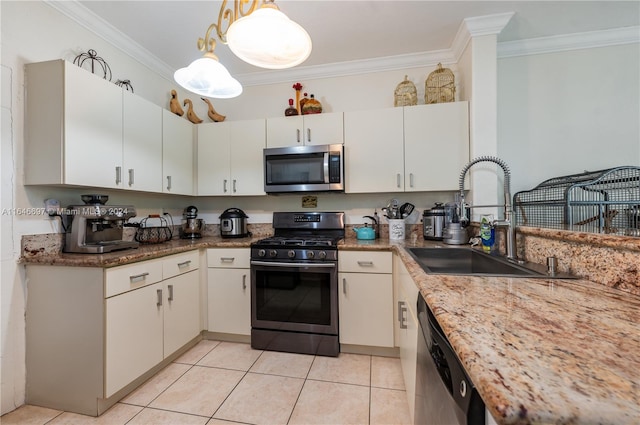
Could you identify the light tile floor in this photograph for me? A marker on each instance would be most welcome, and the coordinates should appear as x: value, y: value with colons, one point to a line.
x: 218, y: 383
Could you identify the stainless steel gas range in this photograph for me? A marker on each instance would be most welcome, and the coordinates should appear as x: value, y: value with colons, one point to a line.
x: 294, y: 284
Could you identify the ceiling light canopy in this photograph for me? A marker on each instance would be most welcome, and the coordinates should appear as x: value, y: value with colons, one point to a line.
x: 263, y: 37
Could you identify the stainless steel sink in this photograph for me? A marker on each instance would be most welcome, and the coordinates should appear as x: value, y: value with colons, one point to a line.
x: 468, y: 261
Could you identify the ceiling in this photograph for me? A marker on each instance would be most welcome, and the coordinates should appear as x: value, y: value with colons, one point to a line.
x: 344, y: 31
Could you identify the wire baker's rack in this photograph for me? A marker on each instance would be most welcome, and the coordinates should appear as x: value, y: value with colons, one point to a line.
x: 605, y: 201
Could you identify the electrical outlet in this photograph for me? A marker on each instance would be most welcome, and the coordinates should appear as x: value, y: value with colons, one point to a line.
x: 51, y: 207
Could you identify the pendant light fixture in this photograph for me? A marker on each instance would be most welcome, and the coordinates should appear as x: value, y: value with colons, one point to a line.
x: 264, y: 37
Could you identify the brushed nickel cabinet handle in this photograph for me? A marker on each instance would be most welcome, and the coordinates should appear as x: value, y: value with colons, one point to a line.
x: 365, y: 263
x: 234, y: 186
x: 403, y: 316
x: 398, y: 179
x: 308, y: 134
x: 159, y: 293
x: 344, y: 286
x: 170, y: 292
x: 410, y: 179
x: 227, y: 259
x: 224, y: 186
x: 138, y: 277
x: 118, y: 175
x: 168, y: 182
x: 131, y: 176
x: 298, y: 135
x: 184, y: 264
x: 244, y: 282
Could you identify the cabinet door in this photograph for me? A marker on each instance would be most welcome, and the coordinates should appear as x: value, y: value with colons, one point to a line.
x: 374, y: 156
x: 284, y: 131
x: 406, y: 327
x: 177, y: 154
x: 323, y: 129
x: 366, y: 309
x: 436, y: 145
x: 92, y: 130
x: 214, y: 156
x: 133, y: 338
x: 229, y: 301
x: 181, y: 310
x: 246, y: 143
x: 142, y: 139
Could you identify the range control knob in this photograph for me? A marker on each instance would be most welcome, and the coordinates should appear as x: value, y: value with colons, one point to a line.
x: 310, y: 254
x: 262, y: 253
x: 273, y: 253
x: 291, y: 253
x: 322, y: 255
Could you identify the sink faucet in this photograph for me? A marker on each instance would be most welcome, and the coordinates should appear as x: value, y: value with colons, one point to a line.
x: 508, y: 209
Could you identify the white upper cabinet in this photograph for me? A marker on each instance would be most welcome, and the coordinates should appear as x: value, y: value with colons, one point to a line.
x: 73, y: 127
x: 414, y: 148
x: 142, y: 144
x: 300, y: 130
x: 436, y: 145
x: 177, y: 154
x: 374, y: 155
x: 230, y: 158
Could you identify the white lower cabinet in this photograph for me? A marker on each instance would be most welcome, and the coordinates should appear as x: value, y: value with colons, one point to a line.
x: 109, y: 327
x: 365, y: 300
x: 229, y: 291
x: 407, y: 328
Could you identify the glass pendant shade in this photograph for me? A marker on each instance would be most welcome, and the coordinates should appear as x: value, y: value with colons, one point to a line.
x: 209, y: 78
x: 269, y: 39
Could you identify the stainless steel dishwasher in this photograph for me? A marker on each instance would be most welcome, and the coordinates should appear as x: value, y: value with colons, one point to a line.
x: 444, y: 393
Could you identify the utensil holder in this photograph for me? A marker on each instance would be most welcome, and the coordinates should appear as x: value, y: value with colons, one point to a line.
x: 396, y: 229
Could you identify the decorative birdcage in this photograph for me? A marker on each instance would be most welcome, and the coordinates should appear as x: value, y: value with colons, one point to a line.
x: 440, y: 86
x: 605, y: 201
x: 405, y: 93
x: 92, y: 59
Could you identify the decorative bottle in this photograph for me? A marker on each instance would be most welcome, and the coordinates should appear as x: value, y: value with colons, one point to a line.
x: 302, y: 102
x: 312, y: 106
x: 291, y: 110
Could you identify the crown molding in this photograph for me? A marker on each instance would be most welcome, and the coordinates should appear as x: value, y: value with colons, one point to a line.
x: 576, y: 41
x: 470, y: 27
x: 94, y: 23
x: 476, y: 27
x: 343, y: 69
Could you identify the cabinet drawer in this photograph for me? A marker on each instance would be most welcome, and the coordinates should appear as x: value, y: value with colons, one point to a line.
x: 233, y: 258
x: 365, y: 261
x: 179, y: 263
x: 125, y: 278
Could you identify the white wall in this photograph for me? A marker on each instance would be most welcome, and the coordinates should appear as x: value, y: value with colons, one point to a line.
x: 33, y: 31
x: 564, y: 113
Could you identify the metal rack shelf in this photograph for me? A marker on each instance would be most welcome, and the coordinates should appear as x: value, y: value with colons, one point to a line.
x: 605, y: 201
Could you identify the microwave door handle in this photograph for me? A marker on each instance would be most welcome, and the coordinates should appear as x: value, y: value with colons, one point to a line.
x: 326, y: 167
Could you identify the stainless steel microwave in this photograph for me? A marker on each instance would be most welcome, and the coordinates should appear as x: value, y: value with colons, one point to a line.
x: 304, y: 169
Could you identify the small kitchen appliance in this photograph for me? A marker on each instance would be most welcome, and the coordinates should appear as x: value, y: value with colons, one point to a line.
x: 433, y: 222
x: 365, y: 233
x: 192, y: 226
x: 96, y: 228
x: 294, y: 284
x: 310, y: 168
x: 233, y: 223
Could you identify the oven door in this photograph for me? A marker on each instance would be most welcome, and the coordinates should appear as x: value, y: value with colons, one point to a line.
x: 296, y: 296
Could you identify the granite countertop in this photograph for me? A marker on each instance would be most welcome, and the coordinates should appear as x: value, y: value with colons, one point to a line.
x: 538, y: 350
x: 143, y: 252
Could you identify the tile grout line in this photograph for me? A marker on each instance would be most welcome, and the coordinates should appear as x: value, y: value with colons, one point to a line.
x: 147, y: 406
x: 236, y: 385
x: 306, y: 378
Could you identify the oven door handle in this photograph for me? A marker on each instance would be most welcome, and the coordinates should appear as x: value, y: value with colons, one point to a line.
x: 283, y: 264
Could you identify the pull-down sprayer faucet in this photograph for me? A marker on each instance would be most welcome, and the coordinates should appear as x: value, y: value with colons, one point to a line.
x: 508, y: 209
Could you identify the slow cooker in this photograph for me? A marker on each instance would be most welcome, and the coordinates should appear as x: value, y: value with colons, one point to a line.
x: 233, y: 223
